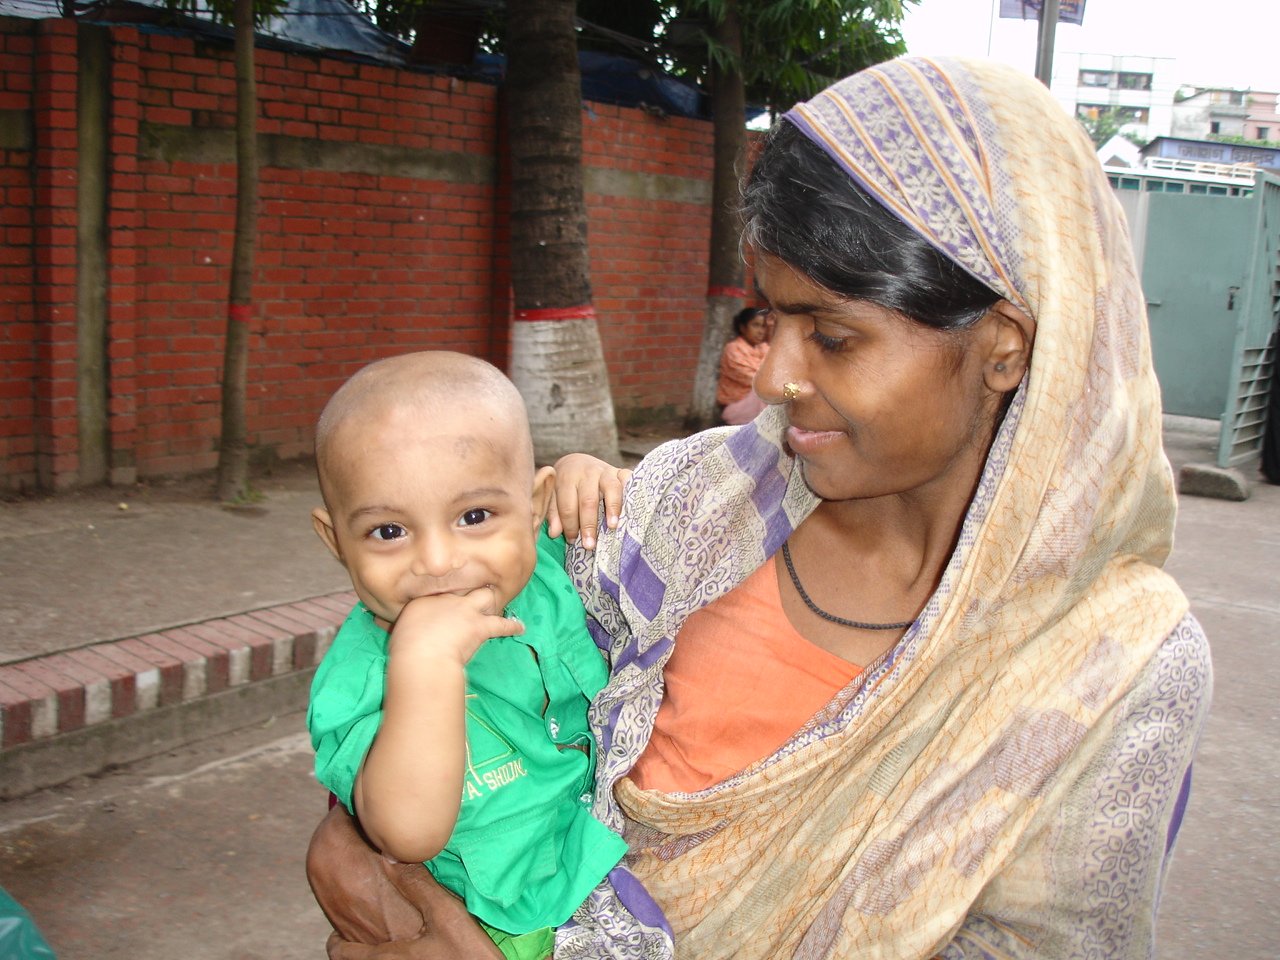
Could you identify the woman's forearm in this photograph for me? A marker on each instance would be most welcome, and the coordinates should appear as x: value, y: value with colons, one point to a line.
x: 383, y: 909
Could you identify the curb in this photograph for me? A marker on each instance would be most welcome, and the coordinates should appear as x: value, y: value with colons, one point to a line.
x: 78, y: 712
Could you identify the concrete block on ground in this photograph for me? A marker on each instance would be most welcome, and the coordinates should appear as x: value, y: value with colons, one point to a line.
x: 1208, y: 480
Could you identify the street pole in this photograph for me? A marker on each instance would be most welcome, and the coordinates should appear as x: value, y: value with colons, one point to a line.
x: 1044, y: 43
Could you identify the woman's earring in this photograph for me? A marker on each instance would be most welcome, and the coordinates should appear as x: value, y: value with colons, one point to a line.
x: 790, y: 391
x: 1000, y: 367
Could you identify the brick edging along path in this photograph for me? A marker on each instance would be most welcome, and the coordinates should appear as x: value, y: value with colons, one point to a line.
x: 65, y: 692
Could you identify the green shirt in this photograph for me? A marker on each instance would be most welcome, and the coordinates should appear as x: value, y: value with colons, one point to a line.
x: 525, y: 851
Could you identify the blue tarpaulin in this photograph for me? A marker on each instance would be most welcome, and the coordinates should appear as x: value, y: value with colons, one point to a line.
x: 309, y: 24
x: 335, y: 25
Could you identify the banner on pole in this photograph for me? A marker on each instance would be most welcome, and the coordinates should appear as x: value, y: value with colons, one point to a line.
x: 1069, y: 11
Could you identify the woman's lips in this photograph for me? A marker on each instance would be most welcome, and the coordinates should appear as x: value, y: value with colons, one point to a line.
x: 804, y: 442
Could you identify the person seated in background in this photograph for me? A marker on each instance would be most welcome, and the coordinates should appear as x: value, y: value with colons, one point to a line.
x: 738, y: 365
x: 450, y: 714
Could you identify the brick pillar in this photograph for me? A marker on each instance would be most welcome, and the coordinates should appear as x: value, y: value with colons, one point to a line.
x: 17, y: 236
x: 122, y: 255
x: 55, y: 143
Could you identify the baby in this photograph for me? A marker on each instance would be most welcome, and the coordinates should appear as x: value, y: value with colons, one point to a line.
x: 450, y: 714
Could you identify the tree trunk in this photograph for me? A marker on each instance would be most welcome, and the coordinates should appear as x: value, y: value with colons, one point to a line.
x: 724, y: 282
x: 556, y: 358
x: 233, y: 451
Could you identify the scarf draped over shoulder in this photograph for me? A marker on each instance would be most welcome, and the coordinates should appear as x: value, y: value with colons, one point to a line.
x: 1006, y: 780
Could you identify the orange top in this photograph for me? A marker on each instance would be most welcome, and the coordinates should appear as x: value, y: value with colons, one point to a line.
x: 738, y: 365
x: 739, y: 684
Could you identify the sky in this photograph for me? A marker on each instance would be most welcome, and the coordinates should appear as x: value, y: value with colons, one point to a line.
x: 1223, y: 43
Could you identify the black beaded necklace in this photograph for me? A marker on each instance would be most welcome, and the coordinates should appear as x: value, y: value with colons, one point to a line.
x: 808, y: 602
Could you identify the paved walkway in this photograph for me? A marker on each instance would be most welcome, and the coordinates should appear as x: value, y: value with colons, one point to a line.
x: 124, y: 609
x: 119, y: 562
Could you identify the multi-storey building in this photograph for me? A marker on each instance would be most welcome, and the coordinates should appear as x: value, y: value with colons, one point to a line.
x: 1220, y: 111
x: 1263, y: 120
x: 1144, y: 95
x: 1139, y: 90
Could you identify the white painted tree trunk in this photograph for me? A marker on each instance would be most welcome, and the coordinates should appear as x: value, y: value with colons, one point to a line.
x: 717, y: 328
x: 558, y: 367
x: 725, y: 268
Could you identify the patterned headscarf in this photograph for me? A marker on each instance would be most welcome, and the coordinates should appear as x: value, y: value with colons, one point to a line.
x: 950, y: 795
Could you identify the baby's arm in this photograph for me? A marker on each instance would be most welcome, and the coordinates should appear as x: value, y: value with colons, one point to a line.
x: 409, y: 788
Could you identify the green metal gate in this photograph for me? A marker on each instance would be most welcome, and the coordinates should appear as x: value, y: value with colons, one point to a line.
x: 1211, y: 272
x: 1254, y: 361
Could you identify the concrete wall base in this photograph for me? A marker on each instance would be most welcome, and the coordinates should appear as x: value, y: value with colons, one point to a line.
x: 90, y: 750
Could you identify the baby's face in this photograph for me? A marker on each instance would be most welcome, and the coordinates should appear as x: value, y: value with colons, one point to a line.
x: 426, y: 508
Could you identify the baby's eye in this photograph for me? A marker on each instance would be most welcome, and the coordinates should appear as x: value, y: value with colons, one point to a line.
x: 388, y: 531
x: 474, y: 516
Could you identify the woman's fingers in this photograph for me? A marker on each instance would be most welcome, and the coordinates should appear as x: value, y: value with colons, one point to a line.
x: 447, y: 926
x: 445, y: 931
x: 339, y: 949
x: 351, y: 888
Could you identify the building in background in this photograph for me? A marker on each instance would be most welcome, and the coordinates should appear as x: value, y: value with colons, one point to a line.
x: 1200, y: 112
x: 1145, y: 97
x: 1205, y: 111
x: 1263, y: 119
x: 1138, y: 90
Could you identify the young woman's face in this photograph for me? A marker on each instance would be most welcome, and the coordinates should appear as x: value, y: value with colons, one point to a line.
x: 756, y: 330
x: 886, y: 405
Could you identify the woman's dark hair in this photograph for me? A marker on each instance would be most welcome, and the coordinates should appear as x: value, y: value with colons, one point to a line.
x: 801, y: 207
x: 742, y: 318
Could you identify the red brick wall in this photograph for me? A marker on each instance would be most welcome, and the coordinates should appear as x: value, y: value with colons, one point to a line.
x: 122, y: 256
x: 648, y: 257
x: 353, y: 262
x: 17, y: 267
x: 54, y: 287
x: 351, y: 266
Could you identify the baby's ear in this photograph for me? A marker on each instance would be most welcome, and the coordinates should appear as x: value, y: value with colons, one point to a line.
x: 323, y: 524
x: 544, y: 485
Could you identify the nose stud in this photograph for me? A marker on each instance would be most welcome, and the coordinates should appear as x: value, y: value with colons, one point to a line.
x: 790, y: 391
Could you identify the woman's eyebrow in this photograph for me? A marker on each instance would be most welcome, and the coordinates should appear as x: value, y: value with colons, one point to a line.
x: 792, y: 307
x: 800, y: 307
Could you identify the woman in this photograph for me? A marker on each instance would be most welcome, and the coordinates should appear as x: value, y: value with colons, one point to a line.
x: 739, y: 362
x: 965, y: 727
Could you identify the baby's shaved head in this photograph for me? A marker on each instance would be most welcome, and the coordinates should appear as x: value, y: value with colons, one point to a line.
x: 435, y: 386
